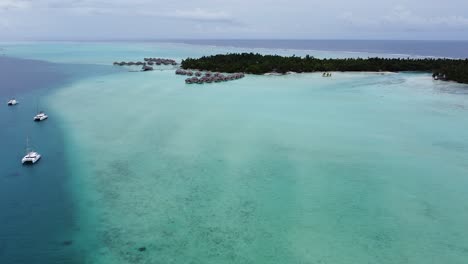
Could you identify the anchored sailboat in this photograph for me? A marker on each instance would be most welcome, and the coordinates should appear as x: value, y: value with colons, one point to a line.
x: 31, y: 155
x: 40, y: 115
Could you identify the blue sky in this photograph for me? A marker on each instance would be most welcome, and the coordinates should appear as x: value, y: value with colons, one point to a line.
x: 299, y: 19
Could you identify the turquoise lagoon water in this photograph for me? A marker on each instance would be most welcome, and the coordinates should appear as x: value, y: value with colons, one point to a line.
x: 358, y: 168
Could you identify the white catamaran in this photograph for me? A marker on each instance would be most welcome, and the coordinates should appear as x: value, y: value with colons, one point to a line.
x: 31, y: 155
x: 41, y: 116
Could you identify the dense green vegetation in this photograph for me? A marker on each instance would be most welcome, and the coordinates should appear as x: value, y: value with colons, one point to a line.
x: 455, y: 70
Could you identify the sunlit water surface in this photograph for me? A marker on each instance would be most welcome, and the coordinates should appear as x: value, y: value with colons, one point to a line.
x: 357, y: 168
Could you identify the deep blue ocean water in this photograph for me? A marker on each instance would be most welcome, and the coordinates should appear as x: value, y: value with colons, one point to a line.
x: 449, y: 49
x: 36, y: 211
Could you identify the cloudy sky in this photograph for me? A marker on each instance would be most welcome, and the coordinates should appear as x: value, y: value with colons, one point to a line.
x: 299, y: 19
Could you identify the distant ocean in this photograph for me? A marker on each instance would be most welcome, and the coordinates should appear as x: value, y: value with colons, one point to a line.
x: 430, y: 48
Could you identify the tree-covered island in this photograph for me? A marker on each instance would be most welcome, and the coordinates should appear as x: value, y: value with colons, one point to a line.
x: 445, y: 69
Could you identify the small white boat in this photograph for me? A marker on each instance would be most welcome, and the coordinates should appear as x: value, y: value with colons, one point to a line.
x: 31, y: 155
x: 13, y: 101
x: 40, y: 116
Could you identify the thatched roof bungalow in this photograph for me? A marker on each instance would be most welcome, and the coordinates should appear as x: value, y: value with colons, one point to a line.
x: 147, y: 68
x: 180, y: 72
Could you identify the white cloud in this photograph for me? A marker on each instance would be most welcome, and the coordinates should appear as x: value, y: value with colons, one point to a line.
x: 199, y: 14
x: 403, y: 15
x: 402, y: 18
x: 4, y: 24
x: 238, y: 18
x: 14, y: 4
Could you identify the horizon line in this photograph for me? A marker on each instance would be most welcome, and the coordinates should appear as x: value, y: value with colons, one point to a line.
x: 224, y: 39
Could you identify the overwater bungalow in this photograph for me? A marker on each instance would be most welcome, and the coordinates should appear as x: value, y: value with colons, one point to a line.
x: 208, y: 77
x: 147, y: 68
x: 149, y: 61
x: 180, y: 72
x: 191, y: 80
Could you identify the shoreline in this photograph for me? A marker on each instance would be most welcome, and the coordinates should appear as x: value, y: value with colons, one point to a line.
x: 337, y: 72
x: 255, y: 63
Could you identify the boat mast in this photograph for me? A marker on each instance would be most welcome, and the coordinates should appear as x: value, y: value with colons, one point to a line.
x: 28, y: 147
x: 27, y: 144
